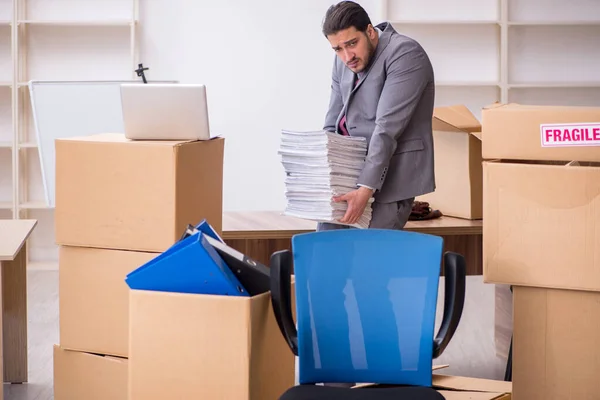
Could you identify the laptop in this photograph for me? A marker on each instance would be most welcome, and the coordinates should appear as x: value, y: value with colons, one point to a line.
x: 164, y: 111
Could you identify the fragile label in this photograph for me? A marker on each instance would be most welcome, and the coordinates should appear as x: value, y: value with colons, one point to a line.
x: 565, y: 135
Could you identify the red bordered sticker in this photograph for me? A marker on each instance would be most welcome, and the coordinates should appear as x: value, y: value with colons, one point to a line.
x: 568, y: 135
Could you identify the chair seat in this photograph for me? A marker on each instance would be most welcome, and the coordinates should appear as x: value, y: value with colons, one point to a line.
x: 313, y: 392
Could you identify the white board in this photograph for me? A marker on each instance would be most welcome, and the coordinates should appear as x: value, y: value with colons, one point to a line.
x: 68, y: 109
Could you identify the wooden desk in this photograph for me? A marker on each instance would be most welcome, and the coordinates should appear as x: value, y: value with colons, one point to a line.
x: 13, y: 296
x: 260, y: 233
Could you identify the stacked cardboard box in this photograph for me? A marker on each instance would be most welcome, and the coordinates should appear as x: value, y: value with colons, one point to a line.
x: 541, y: 235
x: 119, y: 204
x: 458, y: 171
x: 459, y: 191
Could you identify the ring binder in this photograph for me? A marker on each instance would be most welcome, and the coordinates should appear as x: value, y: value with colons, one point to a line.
x: 253, y: 275
x: 191, y: 265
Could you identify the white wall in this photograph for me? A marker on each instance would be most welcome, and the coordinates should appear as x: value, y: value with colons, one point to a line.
x: 266, y: 66
x: 230, y: 45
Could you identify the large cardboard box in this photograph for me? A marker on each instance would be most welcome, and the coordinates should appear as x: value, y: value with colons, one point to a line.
x: 551, y: 133
x: 458, y: 173
x: 555, y: 348
x: 79, y: 376
x: 541, y: 225
x: 94, y: 298
x: 135, y: 195
x: 541, y: 211
x: 187, y: 346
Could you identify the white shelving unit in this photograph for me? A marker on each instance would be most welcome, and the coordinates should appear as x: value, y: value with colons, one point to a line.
x: 525, y: 51
x: 52, y: 40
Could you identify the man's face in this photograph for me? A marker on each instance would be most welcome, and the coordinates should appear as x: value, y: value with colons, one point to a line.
x: 353, y: 47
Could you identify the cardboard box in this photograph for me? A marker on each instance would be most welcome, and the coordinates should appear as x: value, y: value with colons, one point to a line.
x: 552, y: 133
x: 541, y: 224
x: 135, y: 195
x: 555, y: 348
x: 458, y: 171
x: 186, y: 346
x: 542, y: 211
x: 94, y: 298
x: 462, y: 388
x: 79, y: 376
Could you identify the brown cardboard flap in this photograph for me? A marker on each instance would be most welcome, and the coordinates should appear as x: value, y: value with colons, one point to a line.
x: 456, y: 118
x: 364, y: 385
x: 457, y: 386
x: 471, y: 384
x: 451, y: 395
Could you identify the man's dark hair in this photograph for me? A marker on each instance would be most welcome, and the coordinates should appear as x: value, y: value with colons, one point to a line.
x: 344, y: 15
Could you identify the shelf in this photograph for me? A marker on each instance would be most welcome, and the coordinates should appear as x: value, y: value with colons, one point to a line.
x: 467, y: 55
x: 560, y: 96
x: 35, y: 205
x: 443, y: 11
x: 467, y: 83
x: 541, y: 56
x: 445, y: 22
x: 103, y: 23
x: 57, y: 40
x: 81, y: 50
x: 554, y: 23
x: 6, y: 179
x: 540, y: 85
x: 6, y: 65
x: 558, y: 11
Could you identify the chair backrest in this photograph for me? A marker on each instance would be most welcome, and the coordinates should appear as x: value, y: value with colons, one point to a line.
x: 366, y: 303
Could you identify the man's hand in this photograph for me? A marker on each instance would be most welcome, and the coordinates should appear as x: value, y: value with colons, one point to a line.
x: 357, y: 201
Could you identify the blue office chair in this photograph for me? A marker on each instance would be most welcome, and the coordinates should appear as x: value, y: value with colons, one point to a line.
x: 365, y: 305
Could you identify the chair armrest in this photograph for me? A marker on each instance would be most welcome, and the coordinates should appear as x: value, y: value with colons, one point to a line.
x: 454, y: 300
x: 281, y: 266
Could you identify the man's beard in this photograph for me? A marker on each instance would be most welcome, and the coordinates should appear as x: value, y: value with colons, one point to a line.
x: 370, y: 55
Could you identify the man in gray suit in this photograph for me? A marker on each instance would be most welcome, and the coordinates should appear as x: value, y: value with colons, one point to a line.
x: 383, y: 90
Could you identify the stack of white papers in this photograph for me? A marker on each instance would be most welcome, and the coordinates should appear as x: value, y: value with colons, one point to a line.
x: 320, y: 165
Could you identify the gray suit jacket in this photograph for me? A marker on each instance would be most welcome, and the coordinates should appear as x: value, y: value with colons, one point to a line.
x: 392, y: 107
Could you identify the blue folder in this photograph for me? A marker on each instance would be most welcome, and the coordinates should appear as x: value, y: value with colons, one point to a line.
x: 203, y: 227
x: 191, y: 265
